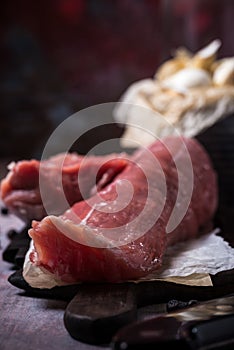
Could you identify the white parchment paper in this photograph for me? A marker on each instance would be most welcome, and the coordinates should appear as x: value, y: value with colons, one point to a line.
x: 192, y: 262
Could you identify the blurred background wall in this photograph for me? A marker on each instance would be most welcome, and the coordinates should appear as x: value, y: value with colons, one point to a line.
x: 59, y: 56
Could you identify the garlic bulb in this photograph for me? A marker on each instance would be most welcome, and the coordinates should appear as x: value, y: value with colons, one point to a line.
x: 189, y: 93
x: 187, y: 78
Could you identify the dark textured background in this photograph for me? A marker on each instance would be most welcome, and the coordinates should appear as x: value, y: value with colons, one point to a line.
x: 59, y: 56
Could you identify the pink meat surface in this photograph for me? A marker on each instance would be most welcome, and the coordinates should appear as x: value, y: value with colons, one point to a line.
x: 68, y: 246
x: 20, y: 190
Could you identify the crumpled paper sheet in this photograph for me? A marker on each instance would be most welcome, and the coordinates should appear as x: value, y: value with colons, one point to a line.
x: 192, y: 262
x: 152, y: 112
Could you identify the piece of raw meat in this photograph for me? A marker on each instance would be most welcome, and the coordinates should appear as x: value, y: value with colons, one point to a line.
x: 107, y: 238
x: 20, y: 190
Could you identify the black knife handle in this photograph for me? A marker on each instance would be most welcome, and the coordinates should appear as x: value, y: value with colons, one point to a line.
x: 217, y: 333
x: 95, y: 320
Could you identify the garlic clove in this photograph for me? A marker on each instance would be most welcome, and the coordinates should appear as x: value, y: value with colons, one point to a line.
x: 205, y: 57
x: 224, y: 72
x: 187, y: 78
x: 210, y: 50
x: 181, y: 57
x: 169, y: 68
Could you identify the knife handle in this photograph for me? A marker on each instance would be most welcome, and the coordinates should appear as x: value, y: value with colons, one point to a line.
x: 95, y: 320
